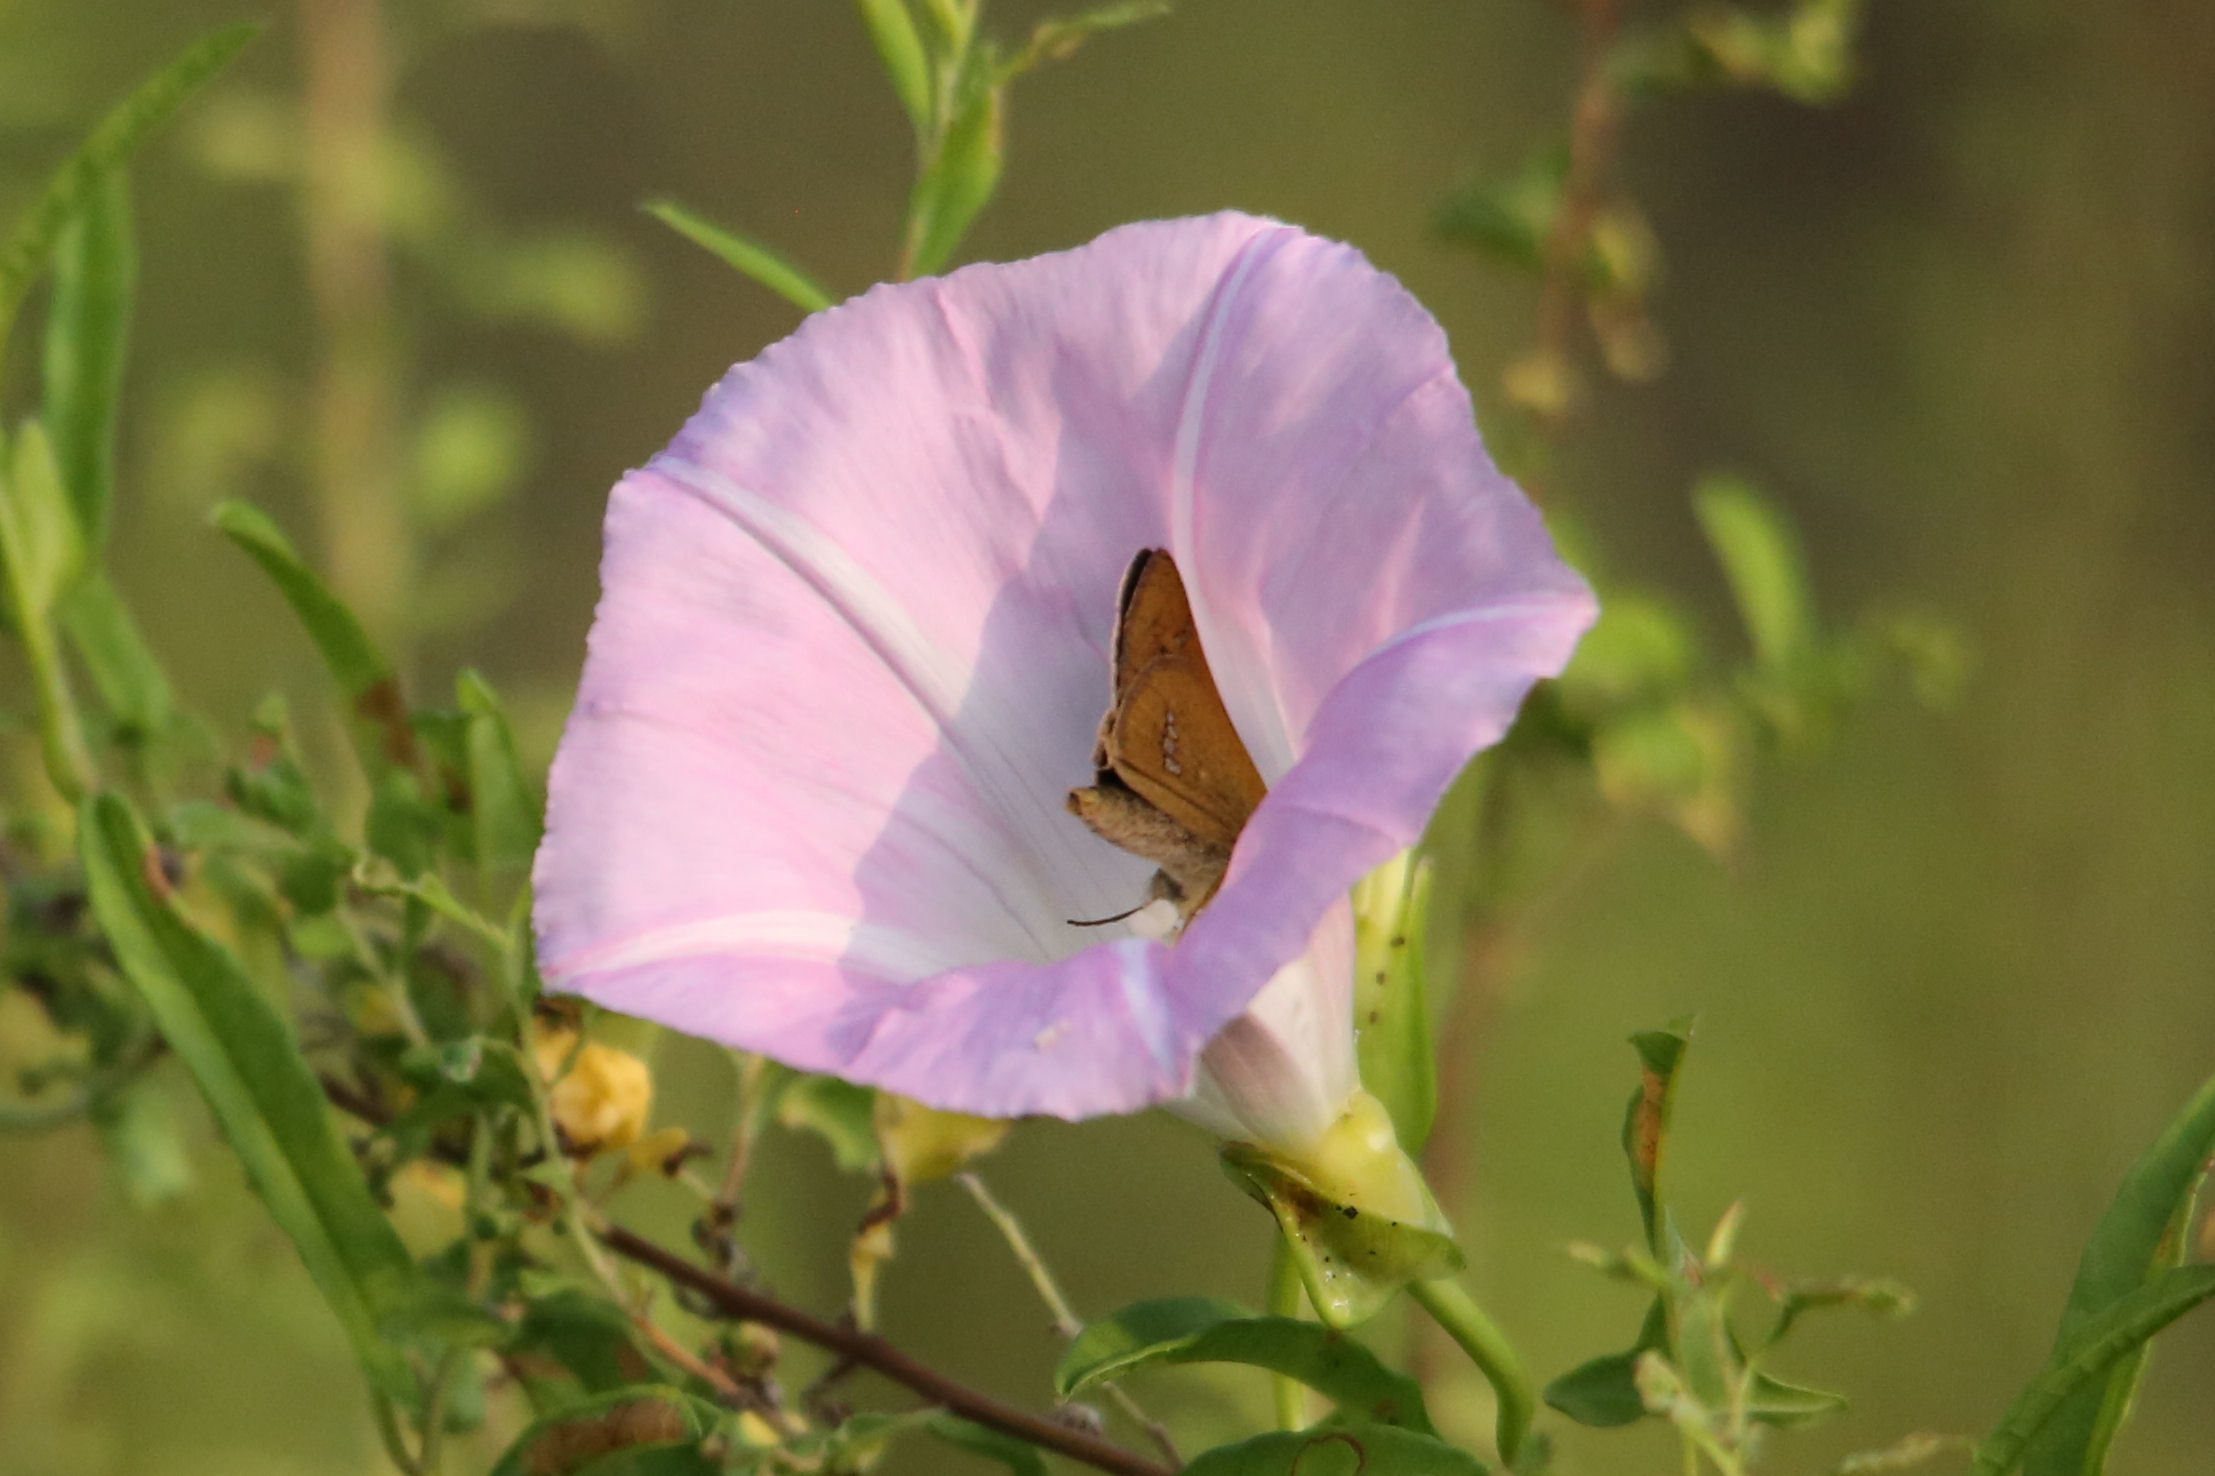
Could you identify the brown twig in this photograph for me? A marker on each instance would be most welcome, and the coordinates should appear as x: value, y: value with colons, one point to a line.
x: 1591, y: 151
x: 363, y: 527
x: 868, y: 1351
x: 862, y: 1350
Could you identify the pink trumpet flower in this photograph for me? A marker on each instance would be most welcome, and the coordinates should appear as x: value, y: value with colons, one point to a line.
x: 853, y: 649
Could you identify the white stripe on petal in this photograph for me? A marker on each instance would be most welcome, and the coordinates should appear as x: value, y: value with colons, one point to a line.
x: 936, y: 679
x: 889, y: 954
x: 1243, y: 681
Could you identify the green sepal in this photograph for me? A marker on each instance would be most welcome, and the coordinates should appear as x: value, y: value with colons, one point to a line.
x: 1206, y: 1330
x: 1392, y: 1021
x: 1357, y: 1218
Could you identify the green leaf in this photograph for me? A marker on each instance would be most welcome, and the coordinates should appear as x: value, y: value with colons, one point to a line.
x: 962, y: 172
x: 254, y: 1077
x: 1006, y: 1450
x: 744, y: 254
x: 42, y: 553
x: 32, y: 242
x: 1772, y: 1401
x: 586, y: 1334
x: 125, y: 671
x: 2116, y: 1332
x: 144, y: 1146
x: 88, y: 328
x: 2142, y: 1233
x: 1392, y: 1022
x: 1509, y: 219
x: 633, y: 1421
x: 1760, y: 555
x: 1204, y: 1330
x: 1352, y: 1450
x: 1601, y: 1393
x: 900, y: 48
x: 40, y: 539
x: 840, y: 1113
x: 1646, y: 1120
x: 380, y: 726
x: 1640, y: 650
x: 1057, y: 39
x: 503, y: 809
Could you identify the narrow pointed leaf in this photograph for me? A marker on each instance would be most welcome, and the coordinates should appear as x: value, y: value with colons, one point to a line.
x: 503, y: 810
x: 124, y: 670
x: 1057, y: 39
x: 1352, y: 1450
x: 2142, y: 1233
x: 1646, y: 1120
x: 900, y: 48
x: 88, y: 328
x: 745, y: 255
x: 2103, y: 1340
x: 1204, y: 1330
x: 31, y: 243
x: 1772, y: 1401
x: 261, y: 1089
x: 961, y: 176
x: 380, y: 725
x: 1760, y: 555
x: 42, y: 553
x: 44, y: 547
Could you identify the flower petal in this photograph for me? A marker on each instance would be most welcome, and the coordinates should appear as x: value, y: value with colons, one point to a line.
x: 852, y: 650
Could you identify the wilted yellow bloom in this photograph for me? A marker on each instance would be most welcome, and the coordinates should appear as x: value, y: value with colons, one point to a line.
x: 922, y: 1143
x: 606, y: 1097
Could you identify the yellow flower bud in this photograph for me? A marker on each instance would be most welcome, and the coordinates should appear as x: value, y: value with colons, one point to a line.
x: 604, y: 1099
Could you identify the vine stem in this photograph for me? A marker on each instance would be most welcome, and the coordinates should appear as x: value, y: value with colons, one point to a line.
x: 1285, y: 1292
x: 866, y: 1350
x: 1466, y: 1323
x: 1066, y: 1320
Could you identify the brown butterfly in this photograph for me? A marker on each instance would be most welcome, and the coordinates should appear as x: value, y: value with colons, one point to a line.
x: 1174, y: 784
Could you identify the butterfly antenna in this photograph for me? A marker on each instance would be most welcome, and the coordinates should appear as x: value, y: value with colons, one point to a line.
x: 1101, y: 922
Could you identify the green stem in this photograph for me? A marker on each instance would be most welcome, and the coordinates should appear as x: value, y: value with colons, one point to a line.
x: 1465, y: 1322
x: 1285, y: 1293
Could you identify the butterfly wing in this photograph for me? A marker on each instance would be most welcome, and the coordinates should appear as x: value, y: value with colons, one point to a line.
x: 1168, y: 735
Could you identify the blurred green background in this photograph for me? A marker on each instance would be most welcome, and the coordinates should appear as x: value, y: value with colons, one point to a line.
x: 1961, y: 324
